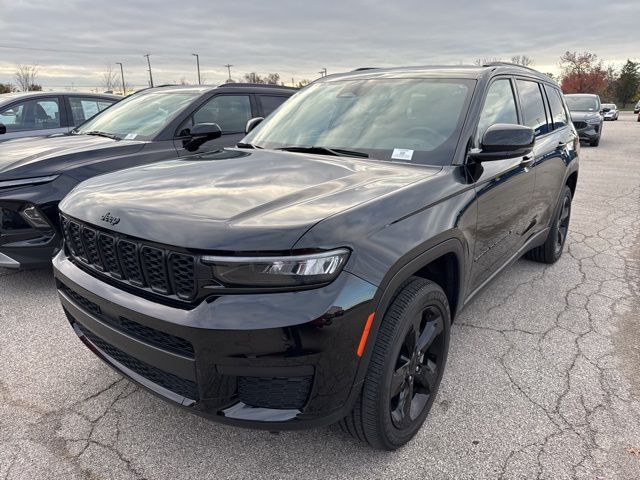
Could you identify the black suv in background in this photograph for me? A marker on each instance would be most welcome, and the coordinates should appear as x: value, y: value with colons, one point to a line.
x: 586, y: 115
x: 151, y: 125
x: 312, y: 275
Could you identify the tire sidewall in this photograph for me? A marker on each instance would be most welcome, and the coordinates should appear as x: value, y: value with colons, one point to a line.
x: 553, y: 234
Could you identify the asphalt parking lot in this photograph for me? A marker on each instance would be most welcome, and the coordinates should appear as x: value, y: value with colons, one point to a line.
x: 543, y: 379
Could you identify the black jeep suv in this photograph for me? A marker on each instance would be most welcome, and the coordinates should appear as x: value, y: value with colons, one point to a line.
x: 311, y: 275
x: 151, y: 125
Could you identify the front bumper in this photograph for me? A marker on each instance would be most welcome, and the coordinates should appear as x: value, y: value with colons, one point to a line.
x: 272, y: 361
x: 22, y: 245
x: 588, y: 131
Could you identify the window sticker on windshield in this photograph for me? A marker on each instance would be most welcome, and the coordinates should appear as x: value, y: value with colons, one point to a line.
x: 131, y: 136
x: 401, y: 154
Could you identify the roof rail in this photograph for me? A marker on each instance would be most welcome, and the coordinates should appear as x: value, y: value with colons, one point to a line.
x: 509, y: 64
x: 259, y: 85
x: 359, y: 69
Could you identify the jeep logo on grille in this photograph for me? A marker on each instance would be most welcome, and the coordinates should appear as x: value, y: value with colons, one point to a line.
x: 110, y: 219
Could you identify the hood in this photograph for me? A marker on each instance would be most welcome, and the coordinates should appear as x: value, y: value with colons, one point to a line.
x: 39, y: 156
x: 582, y: 116
x: 235, y: 200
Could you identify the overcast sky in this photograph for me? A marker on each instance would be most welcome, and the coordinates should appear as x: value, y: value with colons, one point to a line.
x: 73, y: 41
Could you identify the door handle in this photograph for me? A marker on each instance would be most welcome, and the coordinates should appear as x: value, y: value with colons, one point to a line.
x: 527, y: 161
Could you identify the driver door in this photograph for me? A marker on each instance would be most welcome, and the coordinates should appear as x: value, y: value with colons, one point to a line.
x: 230, y: 111
x: 504, y: 190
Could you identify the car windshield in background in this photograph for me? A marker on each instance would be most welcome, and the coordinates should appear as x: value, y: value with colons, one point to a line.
x: 609, y: 106
x: 411, y: 120
x: 139, y: 117
x: 582, y: 104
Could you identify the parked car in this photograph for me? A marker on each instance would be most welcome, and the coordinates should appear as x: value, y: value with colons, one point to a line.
x: 152, y: 125
x: 610, y: 111
x: 636, y: 109
x: 311, y: 275
x: 32, y: 114
x: 586, y: 117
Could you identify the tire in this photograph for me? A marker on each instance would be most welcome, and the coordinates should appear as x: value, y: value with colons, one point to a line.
x: 594, y: 142
x: 378, y: 417
x: 551, y: 250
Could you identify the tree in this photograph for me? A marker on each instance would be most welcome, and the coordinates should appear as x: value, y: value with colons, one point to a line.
x: 253, y: 77
x: 109, y: 79
x: 26, y: 77
x: 273, y: 79
x: 583, y: 73
x: 628, y: 82
x: 229, y: 80
x: 302, y: 83
x: 523, y: 60
x: 6, y: 88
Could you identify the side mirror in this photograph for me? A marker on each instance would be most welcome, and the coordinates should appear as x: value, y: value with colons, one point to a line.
x: 502, y: 141
x: 253, y: 123
x: 3, y: 129
x: 201, y: 133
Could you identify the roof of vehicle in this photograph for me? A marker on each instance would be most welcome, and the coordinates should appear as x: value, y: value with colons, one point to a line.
x: 225, y: 86
x: 435, y: 71
x: 5, y: 97
x: 581, y: 95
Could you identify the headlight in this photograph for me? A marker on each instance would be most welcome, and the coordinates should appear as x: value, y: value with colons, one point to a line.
x: 593, y: 120
x: 27, y: 181
x: 281, y: 271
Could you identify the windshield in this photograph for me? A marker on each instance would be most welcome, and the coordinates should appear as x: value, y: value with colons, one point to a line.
x: 412, y: 120
x: 139, y: 117
x: 609, y: 106
x: 582, y: 104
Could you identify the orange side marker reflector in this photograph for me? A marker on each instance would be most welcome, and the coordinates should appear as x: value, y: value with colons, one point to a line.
x: 365, y: 335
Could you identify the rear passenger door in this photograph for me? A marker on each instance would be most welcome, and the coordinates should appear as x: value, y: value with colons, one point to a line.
x: 504, y: 190
x: 230, y: 111
x: 268, y: 103
x: 553, y: 137
x: 81, y: 109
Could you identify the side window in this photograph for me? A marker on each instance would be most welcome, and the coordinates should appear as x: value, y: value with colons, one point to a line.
x: 38, y: 114
x: 84, y: 108
x: 231, y: 112
x: 558, y: 113
x: 270, y: 102
x: 499, y: 107
x: 533, y: 106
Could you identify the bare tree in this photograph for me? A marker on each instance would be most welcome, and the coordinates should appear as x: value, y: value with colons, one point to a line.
x: 253, y: 77
x: 523, y: 60
x: 273, y: 79
x: 6, y: 88
x: 26, y: 77
x: 109, y: 79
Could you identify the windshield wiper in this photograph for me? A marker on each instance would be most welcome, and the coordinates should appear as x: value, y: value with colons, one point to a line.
x: 103, y: 134
x: 248, y: 145
x: 338, y: 152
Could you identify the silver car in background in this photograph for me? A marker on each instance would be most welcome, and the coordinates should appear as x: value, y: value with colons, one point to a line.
x: 35, y: 114
x: 610, y: 111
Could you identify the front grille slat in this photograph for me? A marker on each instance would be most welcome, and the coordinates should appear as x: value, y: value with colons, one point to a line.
x: 133, y: 262
x: 128, y: 255
x: 182, y: 268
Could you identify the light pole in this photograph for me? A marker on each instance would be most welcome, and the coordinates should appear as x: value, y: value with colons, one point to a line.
x: 124, y: 88
x: 323, y: 72
x: 149, y: 63
x: 228, y: 65
x: 198, y: 64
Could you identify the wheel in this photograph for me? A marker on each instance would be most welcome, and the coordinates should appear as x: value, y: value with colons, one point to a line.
x: 594, y: 142
x: 551, y: 250
x: 405, y: 369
